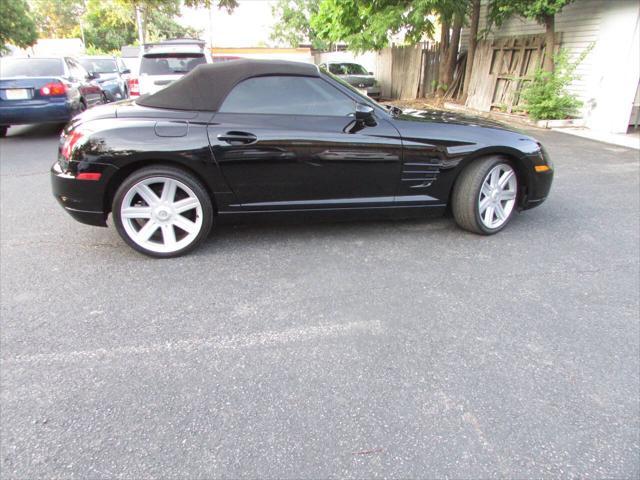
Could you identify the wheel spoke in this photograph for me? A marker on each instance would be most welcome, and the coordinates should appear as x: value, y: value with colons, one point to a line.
x: 136, y: 212
x: 169, y: 235
x: 495, y: 176
x: 504, y: 179
x: 185, y: 205
x: 484, y: 204
x: 147, y: 194
x: 169, y: 190
x: 488, y: 216
x: 486, y: 189
x: 149, y: 229
x: 500, y: 213
x: 184, y: 224
x: 507, y: 195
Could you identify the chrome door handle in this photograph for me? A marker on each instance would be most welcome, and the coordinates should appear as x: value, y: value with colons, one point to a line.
x: 237, y: 138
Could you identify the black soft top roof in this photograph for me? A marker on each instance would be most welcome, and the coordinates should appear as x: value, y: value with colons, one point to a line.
x: 206, y: 86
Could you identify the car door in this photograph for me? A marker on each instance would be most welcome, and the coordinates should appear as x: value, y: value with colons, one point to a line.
x: 90, y: 91
x: 291, y: 142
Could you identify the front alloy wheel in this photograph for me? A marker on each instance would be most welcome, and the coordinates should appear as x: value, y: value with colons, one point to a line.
x: 497, y: 196
x: 162, y: 211
x: 485, y: 195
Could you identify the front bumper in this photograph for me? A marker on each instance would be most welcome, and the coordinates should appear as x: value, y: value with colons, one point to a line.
x: 84, y: 200
x: 539, y: 188
x: 373, y: 92
x: 40, y: 112
x: 113, y: 92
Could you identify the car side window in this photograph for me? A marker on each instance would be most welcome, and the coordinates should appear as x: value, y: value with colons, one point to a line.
x: 76, y: 70
x: 287, y: 95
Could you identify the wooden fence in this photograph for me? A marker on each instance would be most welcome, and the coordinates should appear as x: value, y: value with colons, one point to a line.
x: 407, y: 72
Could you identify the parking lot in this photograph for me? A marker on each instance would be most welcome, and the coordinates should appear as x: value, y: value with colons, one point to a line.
x: 369, y: 349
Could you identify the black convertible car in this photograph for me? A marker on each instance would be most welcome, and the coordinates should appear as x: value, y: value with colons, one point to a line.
x: 245, y: 138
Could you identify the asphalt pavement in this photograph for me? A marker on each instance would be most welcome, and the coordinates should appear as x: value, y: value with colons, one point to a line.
x: 401, y: 349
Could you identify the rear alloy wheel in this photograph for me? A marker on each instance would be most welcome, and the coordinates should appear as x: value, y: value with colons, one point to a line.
x: 485, y: 195
x: 162, y: 211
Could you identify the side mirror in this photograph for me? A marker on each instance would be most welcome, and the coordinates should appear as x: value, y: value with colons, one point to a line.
x: 126, y: 71
x: 92, y: 75
x: 370, y: 73
x: 364, y: 114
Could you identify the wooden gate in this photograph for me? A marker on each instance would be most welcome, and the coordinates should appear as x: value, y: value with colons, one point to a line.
x: 501, y: 68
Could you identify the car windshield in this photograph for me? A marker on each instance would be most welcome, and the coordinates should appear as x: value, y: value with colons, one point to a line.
x: 31, y: 67
x: 347, y: 69
x: 99, y: 65
x: 170, y: 63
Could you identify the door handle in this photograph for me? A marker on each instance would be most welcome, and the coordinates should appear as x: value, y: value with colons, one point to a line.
x: 237, y: 138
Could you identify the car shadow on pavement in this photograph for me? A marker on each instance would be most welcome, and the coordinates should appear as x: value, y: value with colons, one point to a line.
x: 35, y: 130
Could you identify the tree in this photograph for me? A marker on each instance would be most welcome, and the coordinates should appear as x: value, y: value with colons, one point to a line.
x: 58, y: 18
x: 369, y: 25
x: 451, y: 16
x: 108, y: 25
x: 146, y: 10
x: 16, y: 25
x: 473, y: 43
x: 542, y: 11
x: 293, y: 24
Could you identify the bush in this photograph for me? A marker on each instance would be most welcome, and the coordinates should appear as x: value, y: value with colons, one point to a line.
x: 546, y: 96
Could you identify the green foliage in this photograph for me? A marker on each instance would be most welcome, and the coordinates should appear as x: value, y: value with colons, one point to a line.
x: 16, y: 25
x: 293, y: 25
x: 161, y: 26
x: 228, y: 5
x: 92, y: 50
x: 58, y: 18
x: 546, y: 97
x: 368, y: 24
x: 500, y: 10
x: 109, y: 25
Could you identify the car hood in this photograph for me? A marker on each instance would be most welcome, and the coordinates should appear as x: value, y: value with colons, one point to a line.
x: 455, y: 118
x: 104, y: 77
x: 458, y: 133
x: 359, y: 80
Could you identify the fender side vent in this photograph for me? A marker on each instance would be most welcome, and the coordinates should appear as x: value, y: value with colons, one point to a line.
x: 419, y: 174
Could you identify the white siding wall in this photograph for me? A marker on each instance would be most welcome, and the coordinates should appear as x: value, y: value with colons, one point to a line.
x: 609, y: 74
x: 577, y: 26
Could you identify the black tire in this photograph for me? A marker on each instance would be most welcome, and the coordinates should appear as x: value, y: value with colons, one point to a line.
x: 465, y: 198
x: 170, y: 173
x: 82, y: 106
x: 3, y: 131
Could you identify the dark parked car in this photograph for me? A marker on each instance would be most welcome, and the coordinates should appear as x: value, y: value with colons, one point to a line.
x: 356, y: 76
x: 111, y: 74
x: 44, y: 90
x: 245, y: 138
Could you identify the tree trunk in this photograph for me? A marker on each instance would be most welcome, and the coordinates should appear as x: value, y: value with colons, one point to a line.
x: 550, y: 43
x: 448, y: 63
x: 473, y: 43
x: 140, y: 24
x: 442, y: 55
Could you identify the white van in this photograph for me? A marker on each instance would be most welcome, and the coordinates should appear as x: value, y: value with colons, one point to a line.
x: 164, y: 62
